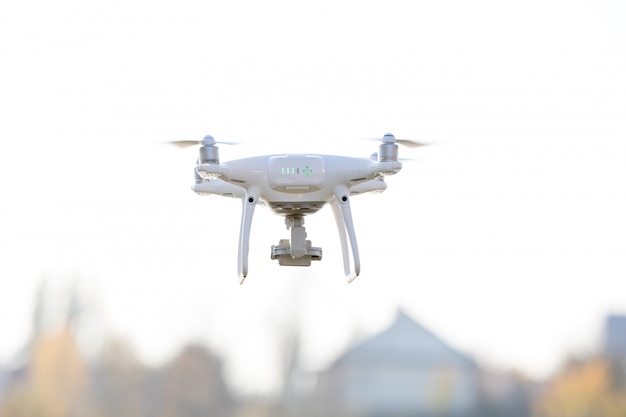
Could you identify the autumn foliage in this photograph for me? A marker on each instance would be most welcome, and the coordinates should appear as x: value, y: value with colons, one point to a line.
x: 591, y: 388
x: 58, y: 382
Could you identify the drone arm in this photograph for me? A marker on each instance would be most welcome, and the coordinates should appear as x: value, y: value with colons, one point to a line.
x: 249, y: 203
x: 343, y: 201
x: 218, y: 187
x: 376, y: 185
x: 212, y: 170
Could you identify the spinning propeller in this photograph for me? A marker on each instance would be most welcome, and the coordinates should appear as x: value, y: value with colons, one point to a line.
x: 209, y: 153
x: 389, y: 138
x: 208, y: 140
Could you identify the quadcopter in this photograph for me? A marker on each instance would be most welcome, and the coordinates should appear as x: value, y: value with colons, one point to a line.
x: 293, y: 186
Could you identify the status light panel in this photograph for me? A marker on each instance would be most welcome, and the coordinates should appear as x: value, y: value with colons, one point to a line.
x: 296, y: 173
x: 306, y: 170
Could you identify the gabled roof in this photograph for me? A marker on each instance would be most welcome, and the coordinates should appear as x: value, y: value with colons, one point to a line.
x: 404, y: 343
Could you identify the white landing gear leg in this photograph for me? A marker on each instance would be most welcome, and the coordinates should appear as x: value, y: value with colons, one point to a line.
x: 343, y: 217
x: 249, y: 204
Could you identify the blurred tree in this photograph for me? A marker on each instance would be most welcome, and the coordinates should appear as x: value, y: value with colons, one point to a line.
x: 55, y: 381
x: 590, y: 388
x: 21, y: 402
x: 118, y: 381
x: 192, y: 386
x: 59, y: 374
x: 505, y: 394
x: 54, y: 377
x: 263, y: 409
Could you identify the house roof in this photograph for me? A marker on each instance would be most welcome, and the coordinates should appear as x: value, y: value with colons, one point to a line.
x: 404, y: 343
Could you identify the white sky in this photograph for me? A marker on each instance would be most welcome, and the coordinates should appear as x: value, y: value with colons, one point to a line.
x: 506, y: 237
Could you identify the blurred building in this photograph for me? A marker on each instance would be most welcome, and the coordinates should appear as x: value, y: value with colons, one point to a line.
x: 615, y: 337
x: 404, y: 370
x: 5, y: 381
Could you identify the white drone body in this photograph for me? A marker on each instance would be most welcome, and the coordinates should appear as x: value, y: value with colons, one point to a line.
x: 295, y: 185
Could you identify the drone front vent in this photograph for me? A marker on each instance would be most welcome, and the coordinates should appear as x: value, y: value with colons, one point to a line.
x: 297, y: 189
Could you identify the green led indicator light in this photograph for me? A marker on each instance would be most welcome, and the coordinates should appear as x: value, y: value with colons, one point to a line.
x: 289, y: 171
x: 306, y: 170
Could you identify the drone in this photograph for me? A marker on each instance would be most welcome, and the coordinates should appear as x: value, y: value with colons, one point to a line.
x: 294, y: 186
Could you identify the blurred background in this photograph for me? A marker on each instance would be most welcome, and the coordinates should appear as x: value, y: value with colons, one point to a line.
x: 493, y: 265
